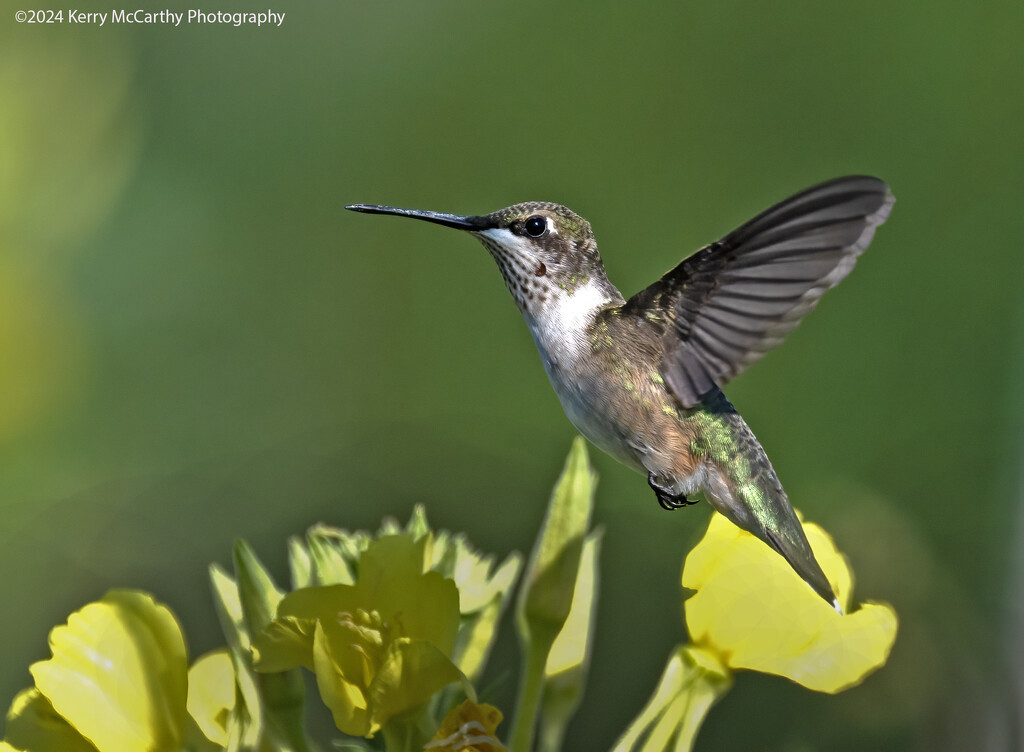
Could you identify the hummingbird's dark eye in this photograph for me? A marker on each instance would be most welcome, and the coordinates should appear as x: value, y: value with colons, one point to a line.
x: 536, y: 226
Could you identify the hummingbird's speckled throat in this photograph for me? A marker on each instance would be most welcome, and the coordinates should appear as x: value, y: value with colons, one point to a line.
x: 641, y: 378
x: 530, y: 287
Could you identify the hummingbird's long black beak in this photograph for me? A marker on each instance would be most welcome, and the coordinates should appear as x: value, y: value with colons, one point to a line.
x: 457, y: 221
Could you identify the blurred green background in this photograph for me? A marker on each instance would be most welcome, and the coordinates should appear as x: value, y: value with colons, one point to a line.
x: 197, y: 343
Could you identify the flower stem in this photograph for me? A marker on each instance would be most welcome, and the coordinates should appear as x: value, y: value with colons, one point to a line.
x: 531, y: 690
x: 284, y: 697
x: 404, y: 736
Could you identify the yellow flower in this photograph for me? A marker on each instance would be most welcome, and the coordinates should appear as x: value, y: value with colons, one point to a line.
x: 211, y: 694
x: 755, y: 612
x: 124, y: 642
x: 468, y: 728
x: 380, y: 648
x: 34, y: 726
x: 752, y: 611
x: 116, y: 682
x: 478, y: 581
x: 692, y: 682
x: 330, y: 556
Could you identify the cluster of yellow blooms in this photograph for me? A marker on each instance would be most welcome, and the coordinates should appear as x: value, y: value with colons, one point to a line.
x: 397, y: 629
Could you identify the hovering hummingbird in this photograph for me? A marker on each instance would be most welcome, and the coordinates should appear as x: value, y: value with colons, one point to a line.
x: 641, y: 378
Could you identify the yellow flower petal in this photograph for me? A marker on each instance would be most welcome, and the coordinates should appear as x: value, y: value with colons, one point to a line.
x: 345, y: 698
x: 571, y: 648
x: 411, y: 672
x: 285, y: 643
x: 379, y: 647
x: 758, y: 614
x: 119, y: 673
x: 476, y: 637
x: 419, y: 604
x: 211, y: 694
x: 454, y: 557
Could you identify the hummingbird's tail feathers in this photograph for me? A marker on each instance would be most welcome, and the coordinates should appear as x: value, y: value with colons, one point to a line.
x: 741, y: 483
x: 738, y: 298
x: 774, y: 522
x: 802, y: 560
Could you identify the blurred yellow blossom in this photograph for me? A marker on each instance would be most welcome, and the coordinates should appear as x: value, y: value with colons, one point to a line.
x: 125, y: 640
x: 211, y: 694
x: 69, y: 133
x: 34, y: 726
x: 330, y: 556
x: 380, y: 648
x: 468, y: 728
x: 117, y: 682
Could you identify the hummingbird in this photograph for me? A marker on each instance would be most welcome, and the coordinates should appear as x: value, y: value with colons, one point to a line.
x: 642, y: 378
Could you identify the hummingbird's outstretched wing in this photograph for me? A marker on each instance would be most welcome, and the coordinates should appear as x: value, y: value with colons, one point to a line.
x: 734, y: 300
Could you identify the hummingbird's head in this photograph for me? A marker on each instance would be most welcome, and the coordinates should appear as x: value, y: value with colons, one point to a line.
x: 546, y: 253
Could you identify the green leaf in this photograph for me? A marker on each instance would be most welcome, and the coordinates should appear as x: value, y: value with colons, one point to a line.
x: 545, y: 597
x: 300, y: 562
x: 550, y: 577
x: 389, y: 526
x: 246, y: 721
x: 334, y: 553
x: 569, y: 660
x: 417, y: 526
x: 283, y: 692
x: 257, y: 592
x: 229, y: 608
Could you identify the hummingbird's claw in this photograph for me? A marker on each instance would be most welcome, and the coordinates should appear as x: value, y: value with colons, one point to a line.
x: 666, y: 497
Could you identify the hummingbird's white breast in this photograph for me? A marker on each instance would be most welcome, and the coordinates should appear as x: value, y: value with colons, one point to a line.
x: 561, y: 326
x: 560, y: 308
x: 563, y: 335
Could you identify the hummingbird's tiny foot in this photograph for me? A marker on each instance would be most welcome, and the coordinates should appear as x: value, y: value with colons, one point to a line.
x: 666, y: 498
x: 670, y: 503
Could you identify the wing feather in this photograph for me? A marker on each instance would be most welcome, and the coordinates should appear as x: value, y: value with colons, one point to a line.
x: 736, y: 299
